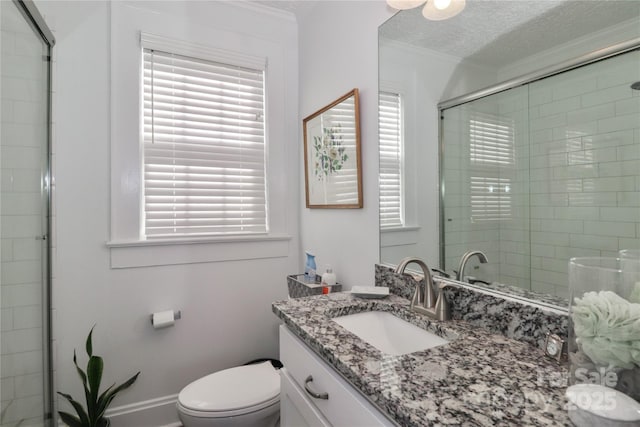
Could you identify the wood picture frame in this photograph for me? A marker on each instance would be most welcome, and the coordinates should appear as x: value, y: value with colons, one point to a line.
x: 332, y: 158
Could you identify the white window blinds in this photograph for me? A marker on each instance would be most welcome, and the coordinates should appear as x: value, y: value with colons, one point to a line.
x: 391, y: 161
x: 203, y: 147
x: 492, y: 160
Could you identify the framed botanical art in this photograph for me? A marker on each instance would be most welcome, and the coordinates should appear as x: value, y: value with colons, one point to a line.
x: 332, y: 165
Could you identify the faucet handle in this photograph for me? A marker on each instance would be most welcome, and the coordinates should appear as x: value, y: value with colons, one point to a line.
x: 442, y: 309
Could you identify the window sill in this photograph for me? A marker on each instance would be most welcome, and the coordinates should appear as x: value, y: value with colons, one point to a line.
x: 399, y: 236
x: 156, y: 252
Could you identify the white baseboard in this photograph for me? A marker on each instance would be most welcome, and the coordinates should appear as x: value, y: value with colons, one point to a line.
x: 159, y: 412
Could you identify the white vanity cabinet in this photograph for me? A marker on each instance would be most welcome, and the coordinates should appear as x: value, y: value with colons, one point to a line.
x: 313, y: 394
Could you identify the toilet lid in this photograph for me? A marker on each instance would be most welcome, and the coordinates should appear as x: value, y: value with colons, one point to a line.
x: 231, y: 389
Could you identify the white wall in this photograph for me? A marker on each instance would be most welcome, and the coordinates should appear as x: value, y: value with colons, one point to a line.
x: 339, y: 52
x: 226, y: 306
x: 424, y: 78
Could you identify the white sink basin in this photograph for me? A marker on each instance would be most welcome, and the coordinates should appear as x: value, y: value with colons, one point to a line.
x: 388, y: 333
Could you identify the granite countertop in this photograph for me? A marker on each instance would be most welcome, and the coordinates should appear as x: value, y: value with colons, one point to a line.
x: 477, y: 379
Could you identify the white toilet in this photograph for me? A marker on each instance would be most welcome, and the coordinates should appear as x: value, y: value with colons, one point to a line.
x: 244, y: 396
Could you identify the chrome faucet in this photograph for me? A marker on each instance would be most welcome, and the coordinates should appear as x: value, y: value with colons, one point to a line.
x: 465, y: 258
x: 424, y: 300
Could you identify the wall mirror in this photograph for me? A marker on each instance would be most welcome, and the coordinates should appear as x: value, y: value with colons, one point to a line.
x: 333, y: 173
x: 521, y: 140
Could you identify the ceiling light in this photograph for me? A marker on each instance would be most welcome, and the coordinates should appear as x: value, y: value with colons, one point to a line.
x: 434, y: 10
x: 404, y: 4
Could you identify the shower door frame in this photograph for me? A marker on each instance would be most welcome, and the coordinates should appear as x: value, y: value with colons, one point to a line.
x: 38, y: 24
x: 589, y: 58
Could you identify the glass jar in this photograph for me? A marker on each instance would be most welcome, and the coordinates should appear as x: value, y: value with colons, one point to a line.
x: 604, y: 337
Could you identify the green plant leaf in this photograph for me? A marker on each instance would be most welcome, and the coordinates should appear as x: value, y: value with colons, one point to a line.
x: 108, y: 397
x: 83, y: 377
x: 94, y: 376
x: 82, y: 415
x: 89, y: 344
x: 70, y: 420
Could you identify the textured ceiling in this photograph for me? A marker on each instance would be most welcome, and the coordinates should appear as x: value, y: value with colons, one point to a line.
x: 498, y: 33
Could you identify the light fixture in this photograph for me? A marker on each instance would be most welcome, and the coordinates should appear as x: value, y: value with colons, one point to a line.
x: 434, y: 10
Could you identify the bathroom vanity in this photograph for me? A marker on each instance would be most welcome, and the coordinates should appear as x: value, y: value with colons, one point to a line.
x: 333, y: 377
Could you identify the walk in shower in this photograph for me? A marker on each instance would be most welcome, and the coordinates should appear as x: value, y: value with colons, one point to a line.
x: 542, y: 172
x: 25, y: 357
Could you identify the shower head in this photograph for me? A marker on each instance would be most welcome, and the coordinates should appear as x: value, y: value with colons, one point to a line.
x: 635, y: 86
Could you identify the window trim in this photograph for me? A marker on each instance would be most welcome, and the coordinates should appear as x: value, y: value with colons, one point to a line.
x: 123, y: 241
x: 167, y: 48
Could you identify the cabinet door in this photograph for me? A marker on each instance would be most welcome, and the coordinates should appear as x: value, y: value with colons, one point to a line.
x: 296, y: 410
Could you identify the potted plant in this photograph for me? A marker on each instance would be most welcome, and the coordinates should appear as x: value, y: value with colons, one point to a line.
x: 97, y: 403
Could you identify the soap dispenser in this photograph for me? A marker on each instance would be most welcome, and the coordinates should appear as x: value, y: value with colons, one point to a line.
x: 328, y: 280
x: 310, y: 268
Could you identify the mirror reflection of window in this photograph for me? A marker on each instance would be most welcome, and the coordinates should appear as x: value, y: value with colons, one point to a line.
x: 391, y: 160
x: 492, y: 166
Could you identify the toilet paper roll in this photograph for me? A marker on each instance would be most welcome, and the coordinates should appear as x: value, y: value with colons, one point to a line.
x: 163, y: 319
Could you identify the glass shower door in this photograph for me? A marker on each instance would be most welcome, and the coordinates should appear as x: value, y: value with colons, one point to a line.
x: 24, y: 272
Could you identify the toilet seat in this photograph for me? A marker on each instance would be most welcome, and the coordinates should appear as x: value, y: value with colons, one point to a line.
x: 232, y: 392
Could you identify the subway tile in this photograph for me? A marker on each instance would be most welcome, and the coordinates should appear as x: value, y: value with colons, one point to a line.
x: 562, y: 291
x: 629, y: 152
x: 627, y: 106
x: 610, y: 139
x: 26, y: 317
x: 16, y: 134
x: 28, y: 385
x: 27, y: 249
x: 574, y: 87
x: 638, y: 231
x: 628, y: 243
x: 593, y: 199
x: 32, y: 113
x: 20, y: 204
x: 19, y: 295
x: 549, y: 277
x: 6, y: 317
x: 6, y: 386
x: 609, y: 228
x: 577, y: 130
x: 515, y: 247
x: 590, y: 114
x: 566, y: 253
x: 549, y: 199
x: 541, y: 213
x: 539, y: 94
x: 557, y: 265
x: 21, y: 340
x: 21, y: 226
x: 625, y: 122
x: 549, y: 238
x: 576, y: 212
x: 548, y: 122
x: 561, y: 106
x: 8, y: 43
x: 620, y: 214
x: 542, y: 287
x: 591, y: 156
x: 517, y: 259
x: 541, y: 136
x: 6, y: 249
x: 623, y: 183
x: 628, y: 199
x: 6, y: 106
x: 514, y: 271
x: 18, y: 272
x: 562, y: 225
x: 609, y: 94
x: 594, y: 242
x: 23, y: 409
x: 575, y: 171
x: 623, y: 168
x: 20, y: 157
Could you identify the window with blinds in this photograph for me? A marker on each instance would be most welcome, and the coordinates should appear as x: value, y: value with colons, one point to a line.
x: 492, y: 160
x: 203, y: 147
x: 391, y: 160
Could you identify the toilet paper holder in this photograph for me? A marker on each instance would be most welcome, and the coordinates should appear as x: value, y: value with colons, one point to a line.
x: 177, y: 314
